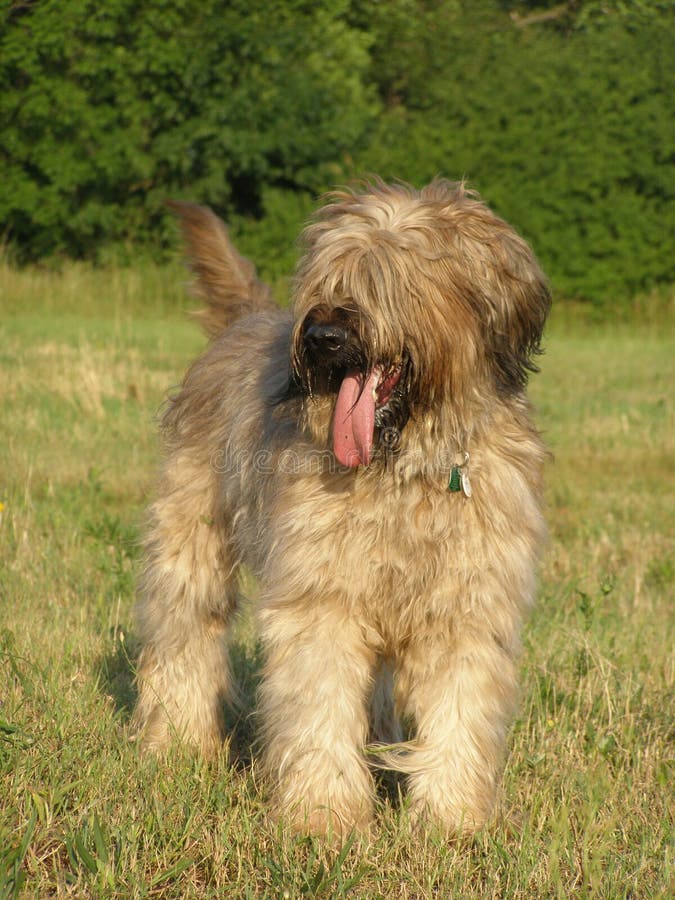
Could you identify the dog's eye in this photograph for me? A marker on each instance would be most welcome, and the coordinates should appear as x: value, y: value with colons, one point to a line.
x: 344, y: 314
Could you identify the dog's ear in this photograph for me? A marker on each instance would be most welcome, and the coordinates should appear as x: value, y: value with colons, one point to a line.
x: 500, y: 278
x: 226, y: 280
x: 518, y: 303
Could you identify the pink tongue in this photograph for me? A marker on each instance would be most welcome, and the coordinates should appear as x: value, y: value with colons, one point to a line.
x: 354, y: 418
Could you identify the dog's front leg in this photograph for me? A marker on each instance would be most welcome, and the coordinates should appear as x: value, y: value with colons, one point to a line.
x: 313, y: 704
x: 460, y: 693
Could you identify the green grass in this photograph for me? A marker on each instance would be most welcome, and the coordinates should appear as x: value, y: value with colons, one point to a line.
x: 85, y: 359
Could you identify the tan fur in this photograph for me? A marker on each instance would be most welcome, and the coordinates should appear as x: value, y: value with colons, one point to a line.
x: 374, y: 580
x: 224, y: 279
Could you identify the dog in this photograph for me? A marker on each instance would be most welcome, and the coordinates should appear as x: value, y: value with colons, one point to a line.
x: 371, y: 457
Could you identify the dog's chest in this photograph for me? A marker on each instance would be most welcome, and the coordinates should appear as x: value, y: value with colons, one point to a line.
x: 398, y: 548
x: 395, y: 559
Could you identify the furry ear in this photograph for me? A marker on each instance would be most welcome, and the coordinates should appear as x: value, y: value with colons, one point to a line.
x: 496, y: 272
x: 514, y: 309
x: 227, y: 281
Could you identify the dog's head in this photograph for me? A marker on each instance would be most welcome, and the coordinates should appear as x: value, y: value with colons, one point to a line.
x: 407, y: 302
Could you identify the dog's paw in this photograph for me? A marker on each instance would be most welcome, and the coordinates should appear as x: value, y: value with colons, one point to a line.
x: 156, y: 733
x: 450, y: 820
x: 335, y: 826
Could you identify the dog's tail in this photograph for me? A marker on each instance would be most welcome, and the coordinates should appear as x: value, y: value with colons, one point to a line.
x: 225, y: 280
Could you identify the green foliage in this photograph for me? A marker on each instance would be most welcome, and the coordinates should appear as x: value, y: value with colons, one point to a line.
x: 559, y: 114
x: 569, y: 137
x: 272, y: 239
x: 107, y: 109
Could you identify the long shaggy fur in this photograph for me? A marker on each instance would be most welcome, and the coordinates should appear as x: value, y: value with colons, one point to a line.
x: 316, y: 447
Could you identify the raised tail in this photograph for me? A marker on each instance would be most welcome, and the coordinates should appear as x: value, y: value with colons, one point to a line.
x: 225, y: 280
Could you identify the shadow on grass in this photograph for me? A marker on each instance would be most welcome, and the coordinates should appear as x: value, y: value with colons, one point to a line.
x: 116, y: 672
x: 116, y: 678
x: 116, y: 675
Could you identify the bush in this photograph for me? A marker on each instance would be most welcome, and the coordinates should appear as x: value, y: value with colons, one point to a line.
x: 559, y: 115
x: 110, y: 108
x: 567, y: 136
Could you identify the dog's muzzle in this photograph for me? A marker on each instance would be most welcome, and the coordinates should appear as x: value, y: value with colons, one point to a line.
x: 323, y: 340
x: 370, y: 395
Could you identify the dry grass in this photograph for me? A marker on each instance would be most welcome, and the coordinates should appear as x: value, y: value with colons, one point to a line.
x: 85, y: 359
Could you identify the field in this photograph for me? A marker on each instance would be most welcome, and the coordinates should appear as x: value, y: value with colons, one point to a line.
x: 85, y: 360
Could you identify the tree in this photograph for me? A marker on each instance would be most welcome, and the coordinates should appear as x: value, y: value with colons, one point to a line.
x: 107, y: 109
x: 568, y: 134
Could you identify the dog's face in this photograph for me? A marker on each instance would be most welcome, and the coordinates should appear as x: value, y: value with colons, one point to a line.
x: 407, y: 303
x: 373, y: 391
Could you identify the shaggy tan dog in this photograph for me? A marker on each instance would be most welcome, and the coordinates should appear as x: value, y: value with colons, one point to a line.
x: 371, y: 457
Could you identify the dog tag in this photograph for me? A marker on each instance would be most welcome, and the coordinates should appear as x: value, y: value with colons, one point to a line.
x: 466, y: 483
x: 454, y: 484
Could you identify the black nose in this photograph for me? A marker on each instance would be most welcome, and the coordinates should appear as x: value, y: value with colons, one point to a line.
x: 326, y: 338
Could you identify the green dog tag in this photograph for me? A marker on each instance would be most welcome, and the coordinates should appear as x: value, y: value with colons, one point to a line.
x: 454, y: 484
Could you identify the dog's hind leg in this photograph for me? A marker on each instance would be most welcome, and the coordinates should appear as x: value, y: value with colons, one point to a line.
x: 186, y: 598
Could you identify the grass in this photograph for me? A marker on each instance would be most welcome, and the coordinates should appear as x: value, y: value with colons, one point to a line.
x: 85, y: 359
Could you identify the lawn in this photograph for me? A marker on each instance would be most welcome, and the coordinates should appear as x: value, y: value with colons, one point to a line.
x: 85, y: 360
